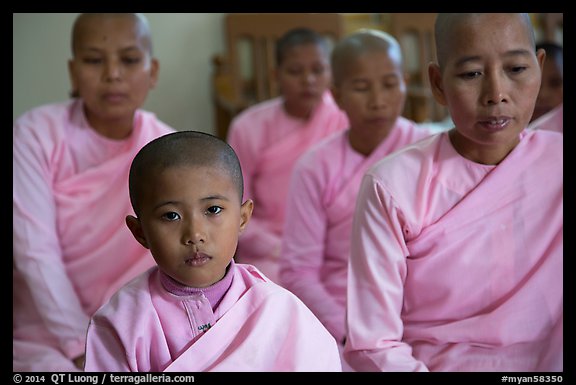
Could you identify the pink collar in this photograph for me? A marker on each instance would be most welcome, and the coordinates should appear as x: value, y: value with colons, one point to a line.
x: 214, y: 292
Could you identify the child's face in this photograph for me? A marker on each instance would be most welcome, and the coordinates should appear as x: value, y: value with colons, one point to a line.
x: 303, y: 76
x: 190, y: 219
x: 372, y: 93
x: 490, y: 81
x: 551, y: 92
x: 112, y: 69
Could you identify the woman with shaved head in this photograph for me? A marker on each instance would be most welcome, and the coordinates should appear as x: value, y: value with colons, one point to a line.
x: 70, y: 167
x: 457, y: 241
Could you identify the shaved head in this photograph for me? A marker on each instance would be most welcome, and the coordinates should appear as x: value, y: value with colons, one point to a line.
x: 85, y: 22
x: 446, y: 24
x: 182, y: 149
x: 348, y: 49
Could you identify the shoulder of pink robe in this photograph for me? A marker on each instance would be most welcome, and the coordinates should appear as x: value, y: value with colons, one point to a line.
x: 260, y: 327
x: 75, y: 217
x: 463, y: 262
x: 320, y: 207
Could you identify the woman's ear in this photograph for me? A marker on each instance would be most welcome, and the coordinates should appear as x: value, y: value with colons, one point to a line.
x: 435, y: 76
x: 135, y: 227
x: 336, y: 95
x: 73, y: 81
x: 246, y: 213
x: 154, y: 71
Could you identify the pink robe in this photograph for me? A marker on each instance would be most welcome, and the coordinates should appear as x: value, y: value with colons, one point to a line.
x: 552, y: 121
x: 319, y: 212
x: 72, y: 249
x: 259, y: 326
x: 268, y: 142
x: 457, y: 266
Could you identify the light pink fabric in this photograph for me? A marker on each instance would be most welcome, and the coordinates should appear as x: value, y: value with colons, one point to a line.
x: 551, y: 121
x: 72, y: 249
x: 268, y: 143
x: 259, y: 326
x: 457, y: 266
x: 319, y: 212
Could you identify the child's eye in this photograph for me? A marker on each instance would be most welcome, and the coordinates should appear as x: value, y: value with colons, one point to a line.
x: 171, y: 216
x: 214, y: 210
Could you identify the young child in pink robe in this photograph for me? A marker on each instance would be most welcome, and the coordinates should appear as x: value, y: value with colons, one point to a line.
x: 70, y: 166
x: 270, y: 136
x: 198, y: 310
x: 369, y: 84
x: 457, y: 241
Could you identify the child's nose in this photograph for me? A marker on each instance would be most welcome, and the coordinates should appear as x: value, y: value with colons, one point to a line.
x: 193, y: 233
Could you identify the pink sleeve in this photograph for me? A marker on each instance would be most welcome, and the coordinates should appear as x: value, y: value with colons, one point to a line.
x: 111, y: 343
x: 257, y: 240
x: 303, y: 248
x: 104, y: 350
x: 376, y: 275
x: 36, y: 247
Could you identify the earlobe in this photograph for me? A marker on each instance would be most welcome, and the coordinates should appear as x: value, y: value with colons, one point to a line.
x: 135, y: 227
x: 246, y: 213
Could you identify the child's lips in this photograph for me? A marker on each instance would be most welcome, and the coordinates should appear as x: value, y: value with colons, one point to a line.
x: 198, y: 259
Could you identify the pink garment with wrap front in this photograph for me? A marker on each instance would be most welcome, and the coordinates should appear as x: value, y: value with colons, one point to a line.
x: 268, y: 142
x: 458, y: 266
x: 72, y: 249
x: 319, y: 212
x: 258, y: 326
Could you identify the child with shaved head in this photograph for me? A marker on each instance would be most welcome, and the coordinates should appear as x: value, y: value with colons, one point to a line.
x: 198, y: 310
x: 369, y: 85
x: 70, y: 167
x: 457, y: 242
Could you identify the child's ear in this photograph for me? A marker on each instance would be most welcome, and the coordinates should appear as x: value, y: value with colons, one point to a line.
x: 246, y: 213
x: 436, y: 86
x: 135, y: 227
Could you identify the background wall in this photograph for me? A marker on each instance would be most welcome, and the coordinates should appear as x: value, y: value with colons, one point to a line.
x: 184, y: 43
